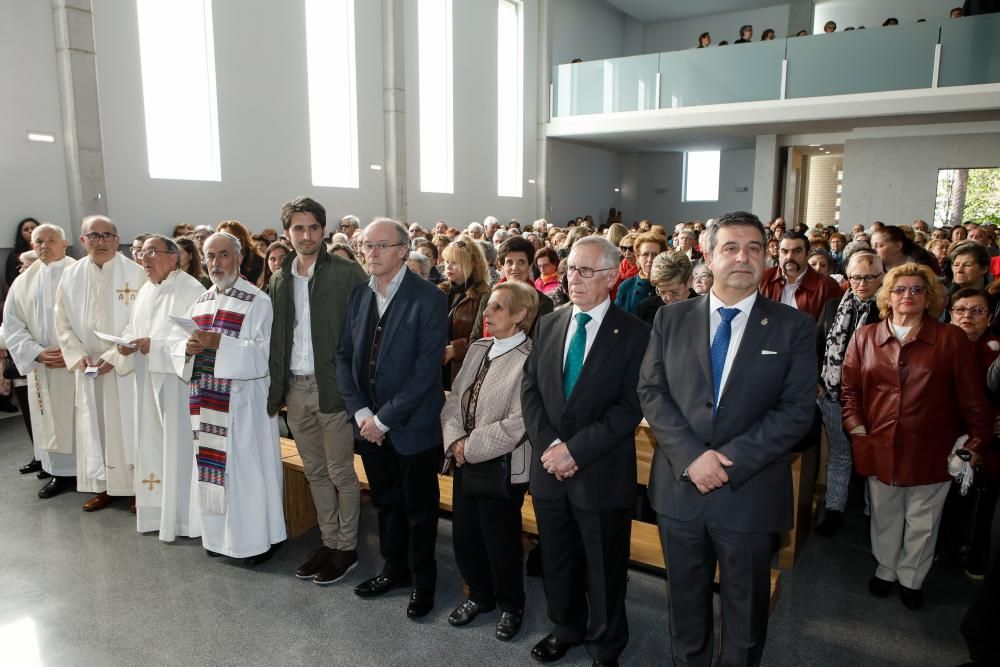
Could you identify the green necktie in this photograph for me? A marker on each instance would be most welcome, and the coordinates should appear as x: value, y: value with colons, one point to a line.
x: 577, y: 349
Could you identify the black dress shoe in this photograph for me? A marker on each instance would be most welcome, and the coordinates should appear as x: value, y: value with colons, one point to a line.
x: 43, y: 475
x: 879, y: 587
x: 913, y: 598
x: 213, y: 554
x: 508, y: 625
x: 421, y: 603
x: 833, y: 521
x: 550, y: 649
x: 262, y: 557
x: 468, y: 610
x: 34, y: 466
x: 53, y: 487
x: 379, y: 585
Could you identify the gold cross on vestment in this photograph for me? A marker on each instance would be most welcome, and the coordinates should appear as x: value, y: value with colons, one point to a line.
x: 127, y: 294
x: 151, y: 481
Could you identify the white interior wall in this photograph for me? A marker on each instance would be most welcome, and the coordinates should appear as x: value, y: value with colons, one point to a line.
x: 894, y: 179
x: 679, y: 35
x: 32, y: 175
x: 475, y: 120
x: 581, y: 181
x: 871, y: 13
x: 263, y: 121
x: 585, y: 29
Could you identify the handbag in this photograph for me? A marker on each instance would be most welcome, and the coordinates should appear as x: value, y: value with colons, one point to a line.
x: 488, y: 479
x: 10, y: 371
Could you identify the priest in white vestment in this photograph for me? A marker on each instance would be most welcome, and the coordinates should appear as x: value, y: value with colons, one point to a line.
x: 164, y: 442
x: 30, y: 335
x: 96, y: 295
x: 238, y: 477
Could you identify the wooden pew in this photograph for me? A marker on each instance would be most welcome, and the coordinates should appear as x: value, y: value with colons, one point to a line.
x: 300, y: 516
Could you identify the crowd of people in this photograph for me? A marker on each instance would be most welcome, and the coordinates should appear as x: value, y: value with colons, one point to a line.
x: 519, y: 359
x: 745, y: 35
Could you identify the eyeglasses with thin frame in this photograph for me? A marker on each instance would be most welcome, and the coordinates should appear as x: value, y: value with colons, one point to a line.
x: 866, y: 278
x: 914, y: 290
x: 143, y: 254
x: 96, y: 237
x: 975, y: 311
x: 585, y: 271
x: 381, y: 246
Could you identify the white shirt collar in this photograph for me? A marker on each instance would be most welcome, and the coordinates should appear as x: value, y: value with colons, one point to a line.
x: 596, y: 313
x: 394, y: 284
x: 309, y: 272
x: 744, y: 305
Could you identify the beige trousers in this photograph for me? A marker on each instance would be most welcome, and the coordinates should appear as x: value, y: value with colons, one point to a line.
x: 326, y: 445
x: 904, y: 527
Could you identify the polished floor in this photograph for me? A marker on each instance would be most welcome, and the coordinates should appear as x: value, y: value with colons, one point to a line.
x: 85, y: 589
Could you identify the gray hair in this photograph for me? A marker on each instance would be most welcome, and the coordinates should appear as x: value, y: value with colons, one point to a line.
x: 734, y: 219
x: 539, y: 224
x: 170, y: 243
x: 501, y: 234
x: 689, y: 233
x: 609, y: 253
x: 47, y: 227
x: 489, y: 251
x: 237, y: 247
x: 862, y: 254
x: 475, y: 227
x: 339, y: 237
x: 401, y: 230
x: 490, y: 219
x: 351, y: 219
x: 91, y: 219
x: 853, y: 247
x: 421, y: 259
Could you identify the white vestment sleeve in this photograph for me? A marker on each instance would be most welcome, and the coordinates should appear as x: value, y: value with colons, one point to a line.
x: 23, y: 348
x: 72, y: 347
x: 246, y: 358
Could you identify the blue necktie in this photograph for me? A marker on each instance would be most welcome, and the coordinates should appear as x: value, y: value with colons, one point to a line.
x: 577, y: 350
x: 720, y: 347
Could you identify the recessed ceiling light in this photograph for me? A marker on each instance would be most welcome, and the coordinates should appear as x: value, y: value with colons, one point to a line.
x: 41, y: 137
x: 375, y: 167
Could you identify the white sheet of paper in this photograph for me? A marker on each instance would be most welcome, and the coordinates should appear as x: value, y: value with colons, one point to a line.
x: 92, y: 371
x: 185, y: 323
x: 117, y: 340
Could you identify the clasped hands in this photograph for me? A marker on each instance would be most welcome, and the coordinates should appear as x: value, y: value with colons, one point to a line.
x: 102, y: 366
x: 558, y: 461
x: 51, y: 358
x: 708, y: 471
x: 370, y: 431
x: 199, y: 341
x: 138, y: 345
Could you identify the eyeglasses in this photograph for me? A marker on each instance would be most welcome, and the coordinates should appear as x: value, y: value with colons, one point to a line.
x: 975, y: 311
x: 585, y: 271
x: 914, y: 290
x: 382, y: 246
x: 101, y: 236
x: 625, y: 248
x: 143, y: 254
x: 867, y: 278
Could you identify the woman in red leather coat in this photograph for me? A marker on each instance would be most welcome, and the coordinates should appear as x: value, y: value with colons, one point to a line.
x: 902, y: 379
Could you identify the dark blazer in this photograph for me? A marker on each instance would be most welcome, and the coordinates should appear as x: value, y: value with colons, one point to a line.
x: 598, y: 421
x: 408, y: 379
x: 766, y: 408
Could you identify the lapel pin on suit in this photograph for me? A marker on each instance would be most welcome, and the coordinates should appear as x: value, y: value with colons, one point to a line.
x: 763, y: 322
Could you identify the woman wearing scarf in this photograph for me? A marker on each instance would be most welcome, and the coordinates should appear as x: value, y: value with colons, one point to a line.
x: 840, y: 318
x: 466, y: 286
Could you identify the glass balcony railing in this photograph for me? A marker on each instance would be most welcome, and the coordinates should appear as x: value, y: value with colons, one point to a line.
x: 860, y: 61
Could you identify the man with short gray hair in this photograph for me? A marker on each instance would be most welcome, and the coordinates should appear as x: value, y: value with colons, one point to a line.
x: 580, y: 409
x: 97, y: 295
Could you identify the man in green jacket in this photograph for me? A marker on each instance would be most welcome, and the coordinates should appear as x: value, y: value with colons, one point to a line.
x: 309, y: 296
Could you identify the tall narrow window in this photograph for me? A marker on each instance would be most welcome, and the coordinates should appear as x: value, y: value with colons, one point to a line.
x: 333, y: 92
x: 177, y: 61
x: 434, y: 67
x: 510, y: 98
x: 701, y: 176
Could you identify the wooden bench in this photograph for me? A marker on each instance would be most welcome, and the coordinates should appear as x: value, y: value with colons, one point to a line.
x: 300, y: 515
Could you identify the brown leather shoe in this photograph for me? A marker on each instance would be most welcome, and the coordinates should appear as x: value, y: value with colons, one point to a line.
x: 131, y: 504
x: 98, y: 502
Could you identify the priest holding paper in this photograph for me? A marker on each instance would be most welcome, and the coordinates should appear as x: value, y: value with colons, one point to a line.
x: 164, y: 457
x: 29, y: 331
x: 238, y: 476
x: 97, y: 295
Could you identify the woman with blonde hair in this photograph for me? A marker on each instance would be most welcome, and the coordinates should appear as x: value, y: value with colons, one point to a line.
x: 910, y: 387
x: 484, y: 433
x: 466, y: 285
x: 616, y: 233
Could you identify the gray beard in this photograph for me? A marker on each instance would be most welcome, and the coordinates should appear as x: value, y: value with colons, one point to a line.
x: 224, y: 283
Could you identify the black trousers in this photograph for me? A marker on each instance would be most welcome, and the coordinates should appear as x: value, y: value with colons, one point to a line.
x: 22, y: 402
x: 406, y: 494
x: 980, y: 624
x: 692, y: 549
x: 584, y: 571
x: 486, y: 534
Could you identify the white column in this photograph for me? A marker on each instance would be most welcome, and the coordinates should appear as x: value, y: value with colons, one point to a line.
x: 73, y: 22
x: 543, y: 108
x: 394, y: 104
x: 765, y: 177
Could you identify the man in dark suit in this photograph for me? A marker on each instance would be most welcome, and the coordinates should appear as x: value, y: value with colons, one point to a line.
x: 721, y: 482
x: 581, y: 409
x: 389, y: 373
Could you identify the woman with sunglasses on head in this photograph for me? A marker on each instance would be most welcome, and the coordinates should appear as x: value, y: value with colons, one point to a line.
x: 629, y: 265
x: 910, y: 387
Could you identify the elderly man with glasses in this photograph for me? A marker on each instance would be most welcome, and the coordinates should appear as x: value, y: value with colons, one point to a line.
x: 97, y: 295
